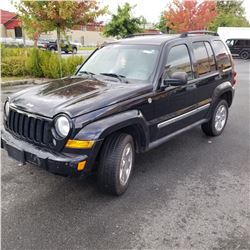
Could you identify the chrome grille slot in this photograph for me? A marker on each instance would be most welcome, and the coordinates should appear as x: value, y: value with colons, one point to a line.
x: 33, y: 129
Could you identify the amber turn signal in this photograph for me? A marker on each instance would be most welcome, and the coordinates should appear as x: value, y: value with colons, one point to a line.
x: 79, y: 144
x: 81, y: 165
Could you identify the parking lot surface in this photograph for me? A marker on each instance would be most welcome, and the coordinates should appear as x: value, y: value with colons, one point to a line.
x: 190, y: 193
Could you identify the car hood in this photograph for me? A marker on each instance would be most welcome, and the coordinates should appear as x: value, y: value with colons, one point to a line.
x: 74, y: 96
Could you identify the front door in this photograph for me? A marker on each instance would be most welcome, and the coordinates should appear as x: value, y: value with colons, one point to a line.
x: 174, y: 103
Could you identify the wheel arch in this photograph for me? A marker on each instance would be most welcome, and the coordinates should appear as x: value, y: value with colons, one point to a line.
x: 223, y: 91
x: 131, y: 122
x: 227, y: 96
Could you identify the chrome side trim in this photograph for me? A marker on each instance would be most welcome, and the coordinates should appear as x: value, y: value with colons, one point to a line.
x: 183, y: 116
x: 226, y: 70
x: 162, y: 140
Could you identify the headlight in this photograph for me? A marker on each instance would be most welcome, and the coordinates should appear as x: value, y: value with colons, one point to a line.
x: 62, y: 126
x: 7, y: 108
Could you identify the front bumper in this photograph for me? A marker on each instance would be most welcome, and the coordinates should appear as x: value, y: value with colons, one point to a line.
x: 58, y: 163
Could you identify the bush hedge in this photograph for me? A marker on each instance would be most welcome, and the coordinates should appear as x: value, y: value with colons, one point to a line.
x: 37, y: 63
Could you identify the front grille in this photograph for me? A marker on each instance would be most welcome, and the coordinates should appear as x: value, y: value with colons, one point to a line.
x: 32, y: 129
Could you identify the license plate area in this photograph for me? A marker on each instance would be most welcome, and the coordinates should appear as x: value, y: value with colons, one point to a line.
x: 33, y: 159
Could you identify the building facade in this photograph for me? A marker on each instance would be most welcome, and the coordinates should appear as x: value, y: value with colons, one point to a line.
x: 10, y: 25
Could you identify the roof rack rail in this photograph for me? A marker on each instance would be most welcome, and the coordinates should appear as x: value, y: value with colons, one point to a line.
x: 185, y: 34
x: 143, y: 34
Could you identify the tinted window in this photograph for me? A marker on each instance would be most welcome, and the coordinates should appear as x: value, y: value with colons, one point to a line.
x: 239, y: 42
x: 230, y: 43
x: 178, y: 60
x: 210, y: 56
x: 221, y: 54
x: 201, y: 56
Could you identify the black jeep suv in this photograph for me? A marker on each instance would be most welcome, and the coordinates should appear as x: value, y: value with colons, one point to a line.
x: 52, y: 46
x: 128, y: 97
x: 239, y: 47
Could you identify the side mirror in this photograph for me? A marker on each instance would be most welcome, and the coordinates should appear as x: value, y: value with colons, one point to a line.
x: 177, y: 79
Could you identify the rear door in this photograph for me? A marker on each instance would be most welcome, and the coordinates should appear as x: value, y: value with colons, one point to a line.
x: 206, y: 74
x: 212, y: 67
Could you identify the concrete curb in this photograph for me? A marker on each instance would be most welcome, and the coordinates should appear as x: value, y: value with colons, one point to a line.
x: 23, y: 82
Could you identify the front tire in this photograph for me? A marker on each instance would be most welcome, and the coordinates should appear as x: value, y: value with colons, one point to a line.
x: 217, y: 123
x: 116, y: 163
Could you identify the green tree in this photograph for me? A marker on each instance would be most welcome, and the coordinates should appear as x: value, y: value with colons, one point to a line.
x: 162, y: 25
x: 123, y: 23
x: 57, y: 15
x: 230, y: 14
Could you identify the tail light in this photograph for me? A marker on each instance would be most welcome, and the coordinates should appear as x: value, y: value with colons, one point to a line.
x: 234, y: 77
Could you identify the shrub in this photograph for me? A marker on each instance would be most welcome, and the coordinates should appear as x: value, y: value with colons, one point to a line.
x: 71, y: 63
x: 6, y: 51
x: 37, y: 63
x: 33, y: 63
x: 51, y: 66
x: 14, y: 66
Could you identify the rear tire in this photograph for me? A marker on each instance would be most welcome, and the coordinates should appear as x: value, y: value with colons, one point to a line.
x: 244, y: 55
x: 116, y: 163
x: 217, y: 123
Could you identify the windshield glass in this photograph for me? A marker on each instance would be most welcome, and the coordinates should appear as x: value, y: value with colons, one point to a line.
x: 133, y: 62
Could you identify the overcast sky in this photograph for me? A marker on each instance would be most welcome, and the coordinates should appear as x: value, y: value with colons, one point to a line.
x: 149, y: 9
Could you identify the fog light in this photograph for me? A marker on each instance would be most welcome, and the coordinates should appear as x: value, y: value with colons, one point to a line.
x: 81, y: 165
x: 79, y: 144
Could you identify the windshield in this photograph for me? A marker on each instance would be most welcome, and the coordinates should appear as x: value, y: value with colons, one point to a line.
x: 133, y: 62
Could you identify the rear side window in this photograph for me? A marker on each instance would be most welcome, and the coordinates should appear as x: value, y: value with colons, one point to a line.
x: 221, y: 54
x: 210, y: 56
x: 201, y: 56
x: 178, y: 60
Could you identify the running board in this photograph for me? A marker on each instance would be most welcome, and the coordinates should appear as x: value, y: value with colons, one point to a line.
x: 162, y: 140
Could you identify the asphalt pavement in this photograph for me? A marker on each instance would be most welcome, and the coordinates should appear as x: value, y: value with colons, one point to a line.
x: 190, y: 193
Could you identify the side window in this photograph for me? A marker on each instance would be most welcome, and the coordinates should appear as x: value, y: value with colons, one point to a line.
x: 221, y: 55
x: 201, y: 56
x: 178, y: 60
x: 230, y: 43
x: 210, y: 56
x: 240, y: 43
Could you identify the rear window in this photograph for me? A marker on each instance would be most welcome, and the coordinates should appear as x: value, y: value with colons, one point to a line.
x: 221, y: 55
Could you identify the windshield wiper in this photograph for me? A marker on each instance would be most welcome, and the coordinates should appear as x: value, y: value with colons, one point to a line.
x: 90, y: 74
x: 86, y: 72
x: 120, y: 77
